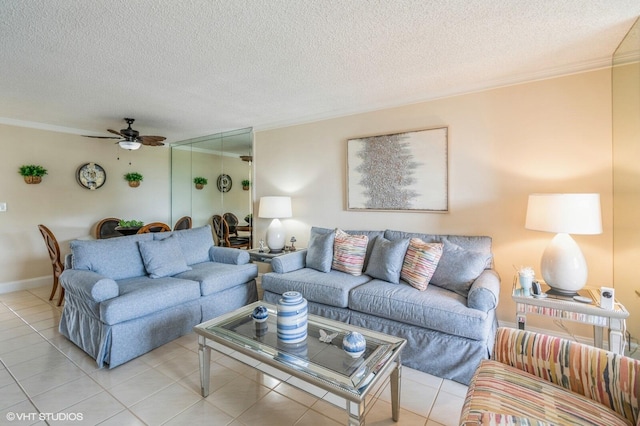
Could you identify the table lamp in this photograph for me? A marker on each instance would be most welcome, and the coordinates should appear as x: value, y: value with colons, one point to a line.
x: 275, y: 208
x: 563, y: 265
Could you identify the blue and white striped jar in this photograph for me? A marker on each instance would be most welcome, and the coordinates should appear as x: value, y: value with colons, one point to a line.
x: 292, y: 317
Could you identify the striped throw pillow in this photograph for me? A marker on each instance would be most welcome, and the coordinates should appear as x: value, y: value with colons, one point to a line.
x: 349, y: 252
x: 420, y: 262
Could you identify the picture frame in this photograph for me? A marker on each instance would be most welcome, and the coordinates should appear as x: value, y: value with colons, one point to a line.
x: 405, y: 172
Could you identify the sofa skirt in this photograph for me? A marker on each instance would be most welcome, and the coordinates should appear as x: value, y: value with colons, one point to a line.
x: 439, y: 354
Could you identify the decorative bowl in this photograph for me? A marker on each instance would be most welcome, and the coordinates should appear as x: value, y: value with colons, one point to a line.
x: 260, y: 314
x: 354, y: 344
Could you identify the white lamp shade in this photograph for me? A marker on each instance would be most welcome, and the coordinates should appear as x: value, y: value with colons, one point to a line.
x: 563, y: 265
x: 275, y: 207
x: 130, y: 145
x: 568, y: 213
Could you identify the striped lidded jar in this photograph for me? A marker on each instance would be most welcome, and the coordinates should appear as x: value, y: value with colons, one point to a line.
x: 292, y: 317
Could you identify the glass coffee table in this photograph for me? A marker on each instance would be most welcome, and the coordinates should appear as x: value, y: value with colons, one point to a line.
x: 320, y: 363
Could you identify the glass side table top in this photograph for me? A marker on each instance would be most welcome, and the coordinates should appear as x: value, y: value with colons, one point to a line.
x: 323, y: 361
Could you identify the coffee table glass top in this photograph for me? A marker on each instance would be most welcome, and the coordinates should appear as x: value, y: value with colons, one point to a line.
x: 325, y: 361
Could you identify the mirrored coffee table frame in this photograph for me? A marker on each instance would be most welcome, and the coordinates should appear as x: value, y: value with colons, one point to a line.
x: 313, y: 361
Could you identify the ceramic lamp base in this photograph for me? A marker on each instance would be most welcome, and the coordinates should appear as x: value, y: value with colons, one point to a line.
x: 275, y: 236
x: 563, y: 265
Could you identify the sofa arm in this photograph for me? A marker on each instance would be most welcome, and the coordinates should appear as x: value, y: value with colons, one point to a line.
x: 88, y: 285
x: 600, y: 375
x: 484, y: 293
x: 228, y: 255
x: 289, y: 262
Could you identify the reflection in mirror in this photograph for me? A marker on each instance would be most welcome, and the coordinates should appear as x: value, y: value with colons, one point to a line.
x: 225, y: 160
x: 626, y: 175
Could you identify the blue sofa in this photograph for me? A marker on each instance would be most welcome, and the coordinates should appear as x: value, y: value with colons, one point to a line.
x: 450, y: 327
x: 128, y: 295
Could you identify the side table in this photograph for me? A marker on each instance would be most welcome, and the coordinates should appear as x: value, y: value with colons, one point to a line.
x: 265, y: 256
x: 265, y: 259
x: 586, y: 313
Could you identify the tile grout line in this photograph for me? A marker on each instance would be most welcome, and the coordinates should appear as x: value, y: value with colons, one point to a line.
x: 68, y: 358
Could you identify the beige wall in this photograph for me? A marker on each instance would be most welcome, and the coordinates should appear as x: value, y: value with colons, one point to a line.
x: 547, y: 136
x: 626, y: 150
x: 60, y: 203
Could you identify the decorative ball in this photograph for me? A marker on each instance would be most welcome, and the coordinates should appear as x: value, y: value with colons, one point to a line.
x: 354, y: 344
x: 260, y: 314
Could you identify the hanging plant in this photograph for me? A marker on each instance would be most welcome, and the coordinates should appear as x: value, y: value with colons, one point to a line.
x: 245, y: 184
x: 134, y: 179
x: 32, y: 173
x: 200, y: 182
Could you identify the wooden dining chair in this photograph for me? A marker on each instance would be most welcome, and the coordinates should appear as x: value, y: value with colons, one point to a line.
x: 226, y: 240
x: 218, y: 229
x: 183, y: 223
x: 54, y: 254
x: 154, y: 227
x: 106, y: 228
x: 235, y: 228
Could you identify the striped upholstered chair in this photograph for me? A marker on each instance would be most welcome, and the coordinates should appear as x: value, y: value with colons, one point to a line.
x: 536, y: 379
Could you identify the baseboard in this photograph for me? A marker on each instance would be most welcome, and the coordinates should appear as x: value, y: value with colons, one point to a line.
x: 12, y: 286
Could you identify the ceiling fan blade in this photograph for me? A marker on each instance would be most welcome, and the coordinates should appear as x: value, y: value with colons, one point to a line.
x: 148, y: 142
x: 116, y: 133
x: 100, y: 137
x: 155, y: 138
x: 151, y: 140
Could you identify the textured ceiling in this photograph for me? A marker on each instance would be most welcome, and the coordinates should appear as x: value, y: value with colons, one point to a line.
x: 190, y: 68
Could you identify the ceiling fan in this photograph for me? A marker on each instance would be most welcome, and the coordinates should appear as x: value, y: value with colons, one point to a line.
x: 131, y: 139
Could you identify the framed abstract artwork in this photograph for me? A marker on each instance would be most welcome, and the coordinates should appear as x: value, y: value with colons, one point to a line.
x: 399, y: 172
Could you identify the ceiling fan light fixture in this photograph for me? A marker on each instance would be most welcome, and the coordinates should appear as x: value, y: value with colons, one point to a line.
x: 130, y: 145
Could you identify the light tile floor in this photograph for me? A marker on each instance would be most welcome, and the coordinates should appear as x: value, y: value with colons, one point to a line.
x: 45, y: 379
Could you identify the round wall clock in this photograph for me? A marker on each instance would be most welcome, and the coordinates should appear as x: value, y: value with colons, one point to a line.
x: 224, y: 183
x: 91, y: 176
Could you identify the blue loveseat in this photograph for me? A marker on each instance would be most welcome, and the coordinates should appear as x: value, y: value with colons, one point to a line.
x: 128, y: 295
x: 450, y: 326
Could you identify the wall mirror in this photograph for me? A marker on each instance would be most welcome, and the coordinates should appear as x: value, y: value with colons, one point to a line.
x: 626, y: 174
x: 225, y: 160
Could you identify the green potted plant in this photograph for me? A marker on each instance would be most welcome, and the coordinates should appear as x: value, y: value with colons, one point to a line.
x: 200, y: 182
x: 32, y: 173
x: 134, y: 179
x: 245, y: 184
x: 129, y: 227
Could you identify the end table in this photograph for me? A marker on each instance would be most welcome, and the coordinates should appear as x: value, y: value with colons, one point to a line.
x: 567, y: 308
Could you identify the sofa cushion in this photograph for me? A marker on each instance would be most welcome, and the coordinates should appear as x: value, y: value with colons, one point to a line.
x: 500, y: 388
x: 420, y: 262
x: 435, y: 308
x: 215, y: 277
x: 141, y: 296
x: 195, y: 243
x: 349, y: 252
x: 330, y: 288
x: 459, y: 267
x: 320, y: 250
x: 163, y: 258
x: 386, y: 259
x: 115, y: 258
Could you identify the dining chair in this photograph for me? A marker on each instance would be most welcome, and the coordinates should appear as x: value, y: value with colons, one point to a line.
x: 54, y: 254
x: 232, y: 221
x: 154, y: 227
x: 183, y: 223
x: 106, y: 228
x: 235, y: 228
x: 221, y: 228
x: 217, y: 229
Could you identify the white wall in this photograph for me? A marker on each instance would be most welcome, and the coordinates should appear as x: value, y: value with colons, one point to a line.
x: 547, y: 136
x: 61, y: 204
